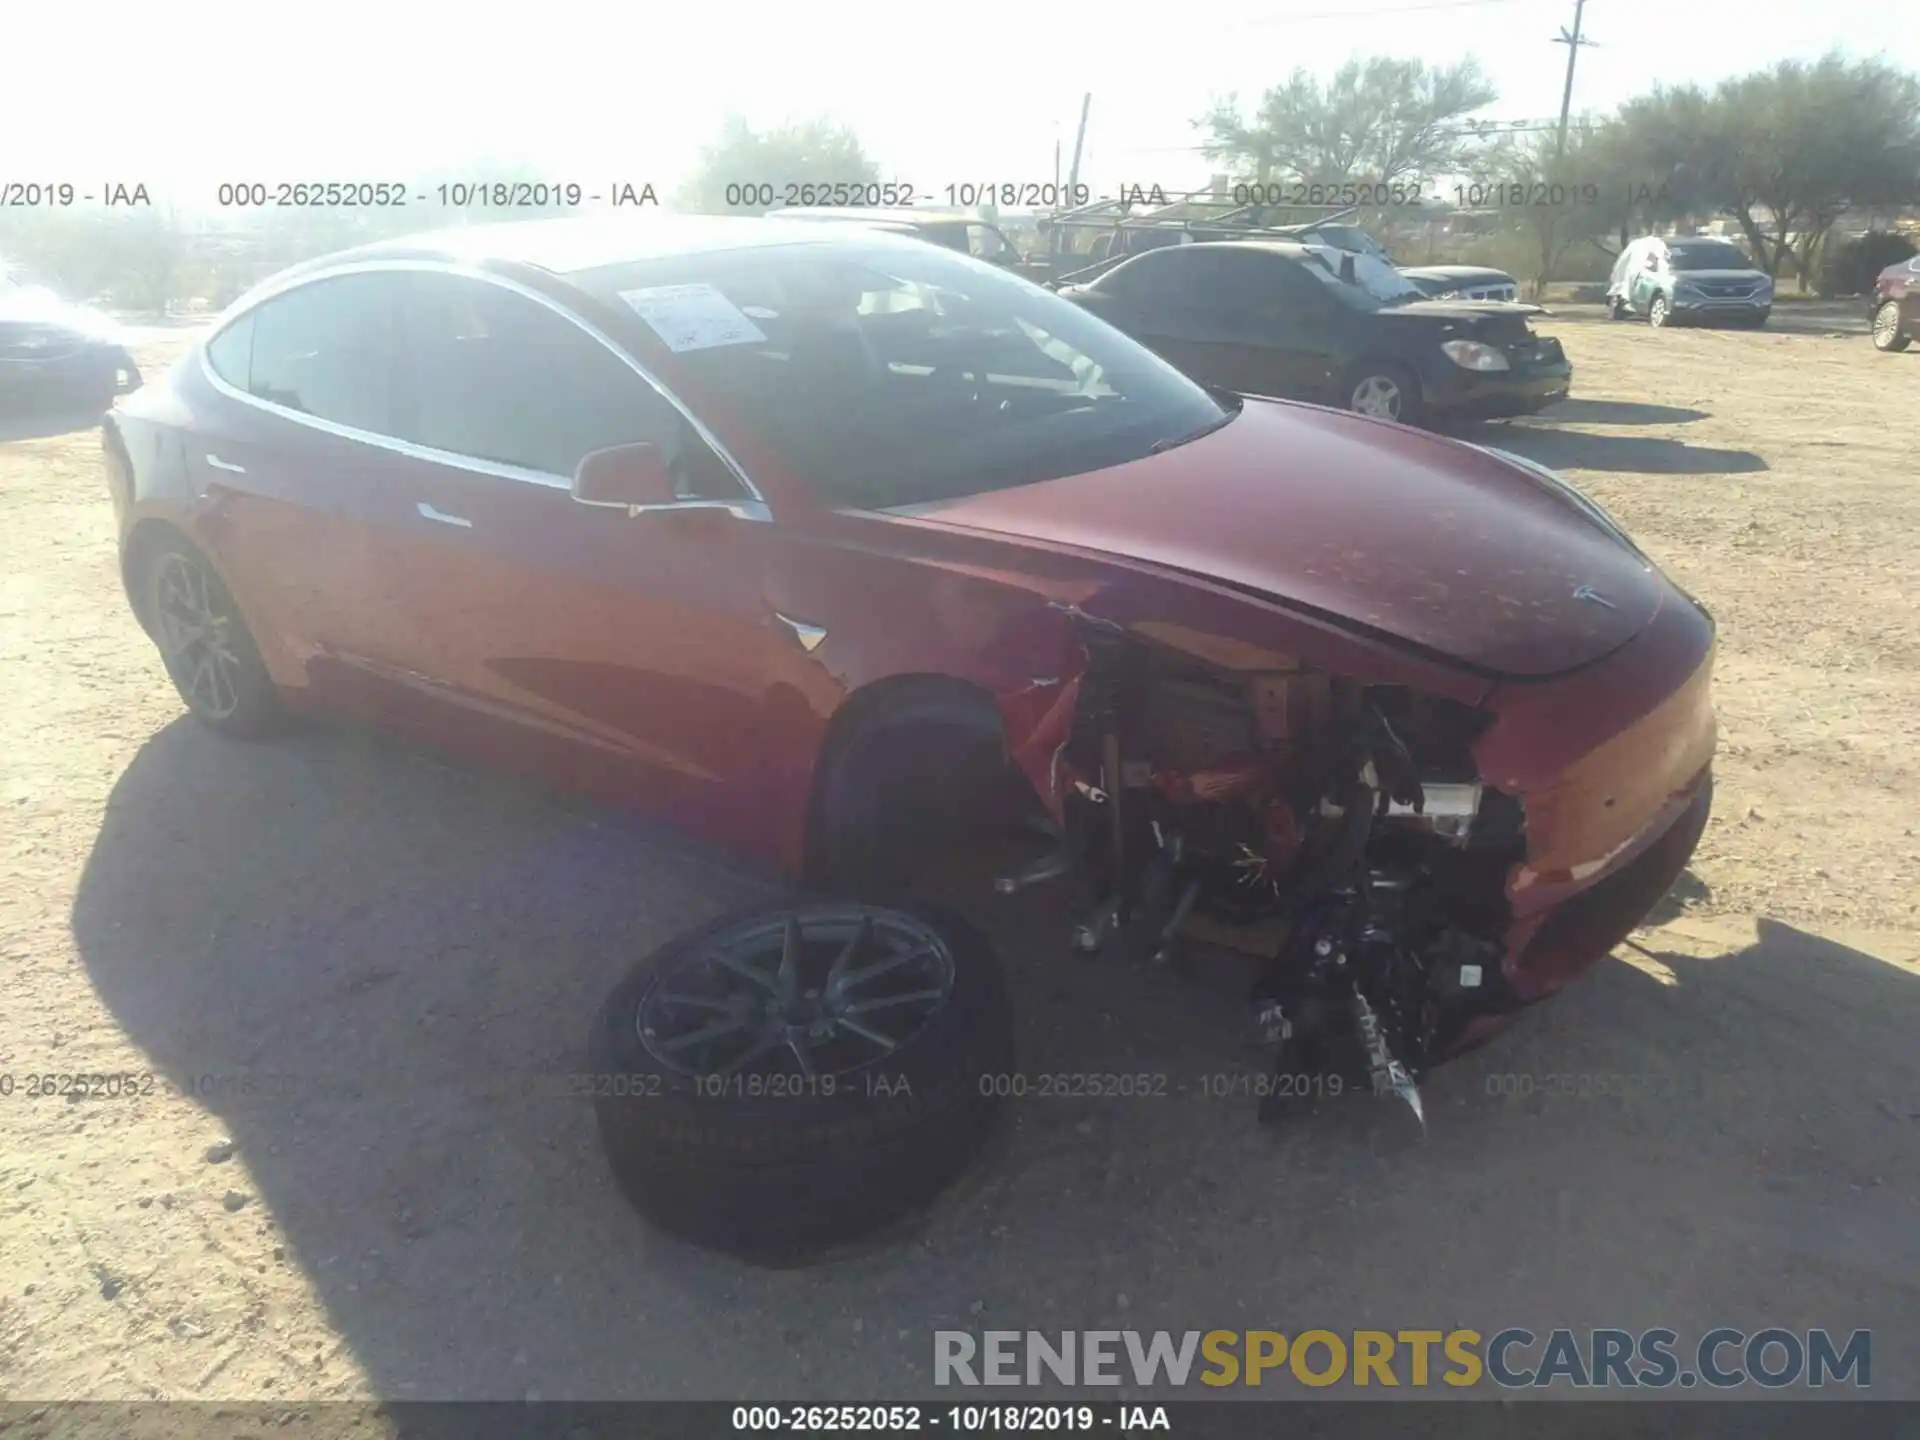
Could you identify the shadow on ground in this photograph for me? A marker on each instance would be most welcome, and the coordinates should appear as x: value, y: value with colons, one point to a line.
x: 1686, y: 891
x: 1626, y: 454
x: 418, y: 950
x: 45, y: 427
x: 1844, y: 318
x: 1618, y: 412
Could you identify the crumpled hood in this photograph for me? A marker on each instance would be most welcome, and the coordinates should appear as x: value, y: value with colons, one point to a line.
x: 1438, y: 545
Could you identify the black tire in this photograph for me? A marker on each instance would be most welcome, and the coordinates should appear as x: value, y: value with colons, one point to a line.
x: 1616, y: 307
x: 1378, y: 373
x: 1888, y: 336
x: 1659, y: 312
x: 778, y: 1179
x: 1758, y: 320
x: 238, y: 699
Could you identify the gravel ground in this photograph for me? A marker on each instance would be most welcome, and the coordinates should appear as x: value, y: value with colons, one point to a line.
x: 348, y: 972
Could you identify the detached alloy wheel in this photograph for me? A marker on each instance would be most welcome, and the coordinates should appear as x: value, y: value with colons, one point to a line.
x: 208, y: 651
x: 1887, y: 334
x: 1659, y: 313
x: 797, y: 1076
x: 1385, y: 392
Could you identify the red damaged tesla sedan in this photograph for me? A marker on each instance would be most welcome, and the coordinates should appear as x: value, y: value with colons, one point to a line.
x: 838, y: 548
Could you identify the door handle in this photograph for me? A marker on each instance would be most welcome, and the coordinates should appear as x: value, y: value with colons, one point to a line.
x: 427, y: 512
x: 217, y: 463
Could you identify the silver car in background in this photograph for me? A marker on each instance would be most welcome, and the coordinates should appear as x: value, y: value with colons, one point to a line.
x: 1674, y: 280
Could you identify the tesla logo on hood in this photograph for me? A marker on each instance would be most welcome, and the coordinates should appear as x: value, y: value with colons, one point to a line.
x: 1587, y: 592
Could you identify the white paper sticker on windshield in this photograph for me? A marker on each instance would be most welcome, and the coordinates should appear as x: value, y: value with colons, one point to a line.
x: 692, y: 317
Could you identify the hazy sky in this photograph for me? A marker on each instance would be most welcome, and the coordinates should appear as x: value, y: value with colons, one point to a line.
x: 183, y: 96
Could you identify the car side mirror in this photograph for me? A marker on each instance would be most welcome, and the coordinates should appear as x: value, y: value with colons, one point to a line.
x: 625, y: 477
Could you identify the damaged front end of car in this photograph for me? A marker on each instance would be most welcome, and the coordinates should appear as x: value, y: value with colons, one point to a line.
x: 1338, y: 830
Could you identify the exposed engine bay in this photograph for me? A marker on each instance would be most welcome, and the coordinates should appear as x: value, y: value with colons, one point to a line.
x: 1341, y: 825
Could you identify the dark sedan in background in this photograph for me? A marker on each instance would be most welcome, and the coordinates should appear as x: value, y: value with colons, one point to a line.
x: 57, y: 358
x: 1274, y: 318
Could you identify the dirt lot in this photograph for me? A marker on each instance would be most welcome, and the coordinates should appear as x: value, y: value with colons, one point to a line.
x: 411, y: 948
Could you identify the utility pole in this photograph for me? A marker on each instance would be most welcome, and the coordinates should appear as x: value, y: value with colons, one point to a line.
x: 1079, y: 139
x: 1573, y: 43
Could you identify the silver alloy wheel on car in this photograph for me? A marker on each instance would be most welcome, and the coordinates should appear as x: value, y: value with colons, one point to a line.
x: 196, y: 629
x: 1886, y: 327
x: 1378, y: 396
x: 813, y: 993
x: 1658, y: 313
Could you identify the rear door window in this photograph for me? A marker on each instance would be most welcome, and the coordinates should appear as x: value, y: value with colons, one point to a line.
x: 230, y: 353
x: 324, y: 349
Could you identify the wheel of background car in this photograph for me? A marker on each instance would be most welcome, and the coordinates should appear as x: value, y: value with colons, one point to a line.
x: 209, y: 653
x: 1384, y: 391
x: 1617, y: 307
x: 1887, y: 334
x: 797, y: 1076
x: 1658, y: 312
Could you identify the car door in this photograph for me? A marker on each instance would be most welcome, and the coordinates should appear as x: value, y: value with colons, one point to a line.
x: 1191, y: 304
x: 633, y: 654
x: 1647, y: 275
x: 1306, y: 334
x: 293, y: 474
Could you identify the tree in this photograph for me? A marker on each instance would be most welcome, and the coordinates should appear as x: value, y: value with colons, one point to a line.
x: 1783, y: 152
x: 1805, y: 143
x: 1375, y: 120
x: 1564, y: 204
x: 816, y: 151
x: 1658, y: 160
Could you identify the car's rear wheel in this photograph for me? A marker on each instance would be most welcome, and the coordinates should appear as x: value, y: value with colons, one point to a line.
x: 209, y: 653
x: 1887, y: 334
x: 796, y: 1076
x: 1659, y: 313
x: 1385, y: 391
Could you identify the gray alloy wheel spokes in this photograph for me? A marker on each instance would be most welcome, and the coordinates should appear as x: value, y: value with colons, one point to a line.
x: 1886, y: 324
x: 818, y: 992
x: 196, y: 633
x: 1377, y: 396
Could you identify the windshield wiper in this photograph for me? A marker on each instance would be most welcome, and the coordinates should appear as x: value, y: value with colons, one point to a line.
x: 1161, y: 446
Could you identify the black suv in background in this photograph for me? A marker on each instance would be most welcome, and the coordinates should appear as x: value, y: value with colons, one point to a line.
x: 1275, y: 318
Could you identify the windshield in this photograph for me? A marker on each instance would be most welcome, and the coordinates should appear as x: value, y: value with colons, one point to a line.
x: 1715, y: 255
x: 1376, y: 285
x: 899, y: 373
x: 1346, y: 237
